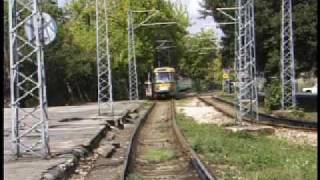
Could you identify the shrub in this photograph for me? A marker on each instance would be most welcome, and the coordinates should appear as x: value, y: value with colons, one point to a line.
x: 273, y: 96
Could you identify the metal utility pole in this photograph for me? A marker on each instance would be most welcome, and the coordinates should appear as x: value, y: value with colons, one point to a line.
x: 132, y: 63
x: 245, y: 58
x: 28, y: 88
x: 105, y: 98
x: 246, y: 90
x: 287, y: 57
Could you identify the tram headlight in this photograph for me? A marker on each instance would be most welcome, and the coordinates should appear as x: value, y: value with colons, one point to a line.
x: 157, y: 88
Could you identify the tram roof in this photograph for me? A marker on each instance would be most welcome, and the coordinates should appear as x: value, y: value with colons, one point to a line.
x: 164, y: 69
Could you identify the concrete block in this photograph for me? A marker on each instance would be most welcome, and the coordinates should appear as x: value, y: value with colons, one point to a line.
x: 116, y: 144
x: 257, y: 130
x: 105, y: 150
x: 129, y: 120
x: 110, y: 136
x: 48, y: 176
x: 129, y: 125
x: 133, y: 115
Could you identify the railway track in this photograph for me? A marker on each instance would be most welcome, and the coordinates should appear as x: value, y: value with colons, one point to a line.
x: 228, y: 109
x: 159, y: 151
x: 151, y: 147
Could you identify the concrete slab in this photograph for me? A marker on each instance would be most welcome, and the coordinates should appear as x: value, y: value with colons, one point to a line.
x: 105, y: 150
x: 70, y: 129
x: 258, y: 130
x: 29, y: 169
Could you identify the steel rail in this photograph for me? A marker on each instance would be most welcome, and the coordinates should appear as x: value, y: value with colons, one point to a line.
x: 202, y: 171
x: 266, y: 119
x: 195, y: 161
x: 132, y: 143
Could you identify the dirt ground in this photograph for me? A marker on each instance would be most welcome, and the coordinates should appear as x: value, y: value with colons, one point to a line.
x: 298, y: 136
x: 202, y: 113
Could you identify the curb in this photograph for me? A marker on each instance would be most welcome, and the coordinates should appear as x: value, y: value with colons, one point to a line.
x: 64, y: 170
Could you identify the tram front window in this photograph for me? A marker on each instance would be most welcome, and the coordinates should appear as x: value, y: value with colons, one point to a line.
x: 164, y: 77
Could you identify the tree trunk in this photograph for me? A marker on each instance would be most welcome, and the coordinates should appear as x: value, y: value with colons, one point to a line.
x: 70, y: 91
x: 79, y: 92
x: 6, y: 78
x: 86, y: 97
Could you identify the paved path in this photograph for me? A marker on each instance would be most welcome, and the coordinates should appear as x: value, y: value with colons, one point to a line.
x: 70, y: 128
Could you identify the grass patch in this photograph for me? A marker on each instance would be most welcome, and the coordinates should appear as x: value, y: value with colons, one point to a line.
x: 135, y: 176
x: 159, y: 155
x: 147, y: 103
x: 256, y: 157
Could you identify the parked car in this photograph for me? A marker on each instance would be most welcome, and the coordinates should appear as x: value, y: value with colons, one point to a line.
x: 313, y: 90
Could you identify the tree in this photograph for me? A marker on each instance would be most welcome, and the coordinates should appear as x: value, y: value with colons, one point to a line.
x: 268, y: 24
x: 199, y: 60
x: 71, y: 59
x: 6, y: 60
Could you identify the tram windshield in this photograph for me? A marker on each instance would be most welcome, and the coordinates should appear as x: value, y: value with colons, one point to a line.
x: 164, y: 77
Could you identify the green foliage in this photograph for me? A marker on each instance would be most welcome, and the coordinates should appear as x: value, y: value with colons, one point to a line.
x: 202, y: 61
x: 268, y: 25
x: 272, y: 97
x: 70, y: 61
x: 247, y: 156
x: 201, y: 56
x: 217, y: 69
x: 296, y: 113
x: 6, y: 60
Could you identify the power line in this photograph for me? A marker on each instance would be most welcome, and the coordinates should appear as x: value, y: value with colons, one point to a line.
x: 132, y: 63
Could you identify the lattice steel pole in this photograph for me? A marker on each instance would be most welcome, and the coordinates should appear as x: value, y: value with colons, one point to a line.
x: 27, y: 82
x: 105, y: 98
x: 287, y: 57
x: 247, y: 95
x: 132, y: 63
x: 245, y: 58
x: 133, y: 75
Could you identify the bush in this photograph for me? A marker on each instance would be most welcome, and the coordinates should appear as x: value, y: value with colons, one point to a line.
x: 272, y: 99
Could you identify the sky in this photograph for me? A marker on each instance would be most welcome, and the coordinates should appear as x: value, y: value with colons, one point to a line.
x: 193, y: 8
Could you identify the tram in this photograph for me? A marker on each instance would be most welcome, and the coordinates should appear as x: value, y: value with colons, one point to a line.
x: 163, y: 83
